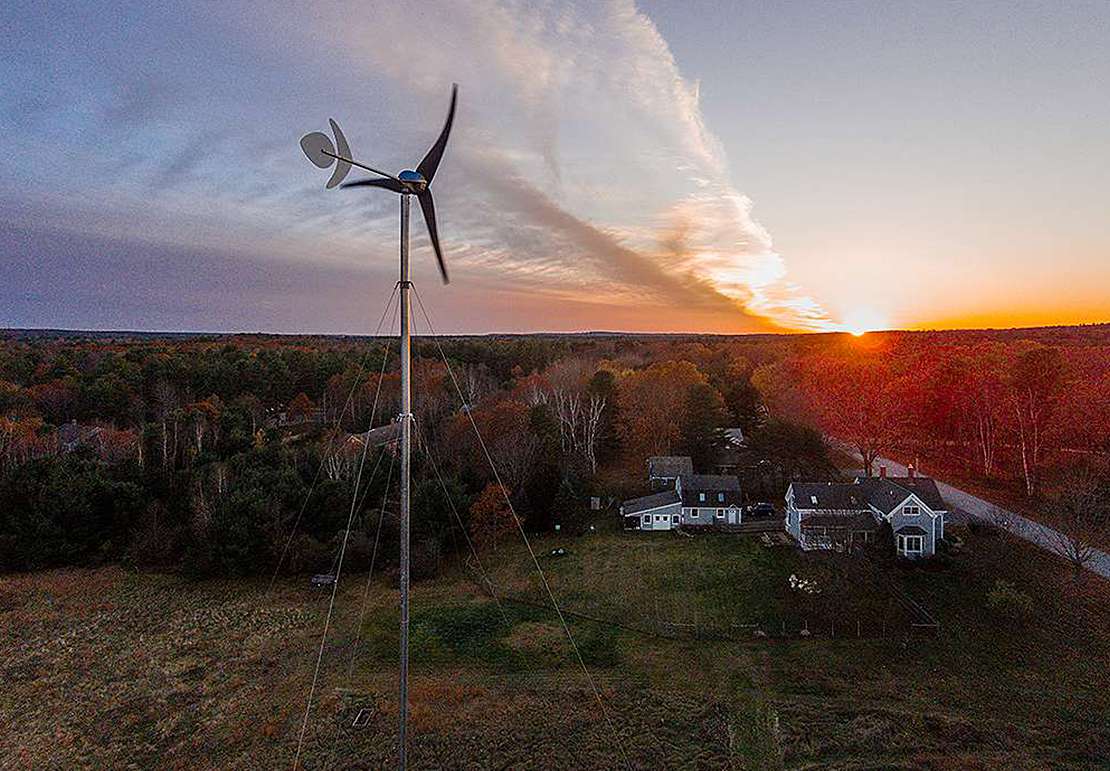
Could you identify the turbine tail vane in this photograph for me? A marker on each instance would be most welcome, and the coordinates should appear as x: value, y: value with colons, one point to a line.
x: 343, y: 153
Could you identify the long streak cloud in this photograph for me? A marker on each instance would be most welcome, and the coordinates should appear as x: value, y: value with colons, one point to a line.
x: 582, y: 187
x: 594, y: 157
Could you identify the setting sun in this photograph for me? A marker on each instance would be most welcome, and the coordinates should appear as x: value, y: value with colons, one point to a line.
x: 859, y: 321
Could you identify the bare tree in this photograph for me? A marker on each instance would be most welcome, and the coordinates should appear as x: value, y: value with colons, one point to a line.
x: 1035, y: 384
x: 985, y: 401
x: 1083, y: 519
x: 591, y: 429
x: 166, y: 408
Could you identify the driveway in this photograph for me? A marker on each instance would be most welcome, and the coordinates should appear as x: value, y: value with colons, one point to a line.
x: 966, y: 505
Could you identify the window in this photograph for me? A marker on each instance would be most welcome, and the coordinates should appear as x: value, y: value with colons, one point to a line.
x: 720, y: 497
x: 701, y: 497
x: 693, y: 513
x: 911, y: 545
x: 813, y: 499
x: 911, y: 511
x: 720, y: 513
x: 647, y: 519
x: 660, y: 517
x: 674, y: 519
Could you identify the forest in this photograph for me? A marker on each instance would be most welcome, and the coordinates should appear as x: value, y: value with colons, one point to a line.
x: 240, y: 454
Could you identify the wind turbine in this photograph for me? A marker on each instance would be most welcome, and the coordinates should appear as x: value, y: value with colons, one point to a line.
x: 322, y: 152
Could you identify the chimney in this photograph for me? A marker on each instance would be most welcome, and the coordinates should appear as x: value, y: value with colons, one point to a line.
x: 882, y: 472
x: 909, y: 471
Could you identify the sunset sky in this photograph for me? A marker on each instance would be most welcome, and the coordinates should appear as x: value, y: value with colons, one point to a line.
x: 718, y: 167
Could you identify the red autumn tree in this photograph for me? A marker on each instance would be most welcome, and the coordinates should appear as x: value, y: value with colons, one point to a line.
x: 858, y: 403
x: 491, y: 519
x: 301, y: 409
x: 652, y: 406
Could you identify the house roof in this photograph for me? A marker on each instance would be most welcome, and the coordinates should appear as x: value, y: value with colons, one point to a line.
x: 647, y: 502
x: 69, y: 433
x: 885, y: 493
x: 710, y: 484
x: 735, y: 435
x: 390, y: 432
x: 714, y: 482
x: 841, y: 496
x: 670, y: 466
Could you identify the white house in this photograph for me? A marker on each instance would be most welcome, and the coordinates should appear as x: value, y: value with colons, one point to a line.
x: 841, y: 515
x: 658, y: 511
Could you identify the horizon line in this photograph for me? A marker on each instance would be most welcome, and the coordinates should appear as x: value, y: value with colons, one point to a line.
x: 60, y: 331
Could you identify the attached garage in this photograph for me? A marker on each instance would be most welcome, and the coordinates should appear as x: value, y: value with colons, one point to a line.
x: 661, y: 511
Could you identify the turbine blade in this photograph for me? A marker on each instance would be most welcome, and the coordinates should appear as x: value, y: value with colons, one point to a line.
x: 428, y: 166
x: 429, y: 210
x: 388, y: 184
x: 343, y: 150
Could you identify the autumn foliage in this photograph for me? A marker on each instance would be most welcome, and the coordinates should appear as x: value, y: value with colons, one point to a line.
x: 203, y: 452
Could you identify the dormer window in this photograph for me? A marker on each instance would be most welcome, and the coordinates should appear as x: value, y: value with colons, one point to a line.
x: 701, y: 497
x: 720, y: 497
x: 813, y: 499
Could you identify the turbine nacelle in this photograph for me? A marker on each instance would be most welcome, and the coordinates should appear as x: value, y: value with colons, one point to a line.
x: 413, y: 180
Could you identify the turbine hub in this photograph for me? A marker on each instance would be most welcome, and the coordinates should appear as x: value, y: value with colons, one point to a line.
x: 413, y: 180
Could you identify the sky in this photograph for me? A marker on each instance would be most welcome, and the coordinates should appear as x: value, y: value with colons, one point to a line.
x: 653, y: 166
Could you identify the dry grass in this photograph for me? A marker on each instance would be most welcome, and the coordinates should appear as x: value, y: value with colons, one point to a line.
x: 108, y: 669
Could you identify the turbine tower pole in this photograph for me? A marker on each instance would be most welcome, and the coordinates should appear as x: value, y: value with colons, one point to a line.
x: 406, y: 453
x: 322, y: 152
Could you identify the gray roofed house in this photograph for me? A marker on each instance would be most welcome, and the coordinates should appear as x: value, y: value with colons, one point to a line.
x: 691, y: 500
x: 663, y: 470
x: 710, y: 499
x: 840, y: 515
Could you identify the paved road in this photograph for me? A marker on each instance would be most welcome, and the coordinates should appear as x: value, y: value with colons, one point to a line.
x: 974, y: 507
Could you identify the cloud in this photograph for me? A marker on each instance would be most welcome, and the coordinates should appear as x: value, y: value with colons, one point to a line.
x: 580, y: 174
x: 583, y: 146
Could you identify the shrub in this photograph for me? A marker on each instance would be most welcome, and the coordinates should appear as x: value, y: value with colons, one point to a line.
x: 1008, y: 602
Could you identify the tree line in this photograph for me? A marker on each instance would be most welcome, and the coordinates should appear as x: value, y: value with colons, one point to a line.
x: 240, y: 454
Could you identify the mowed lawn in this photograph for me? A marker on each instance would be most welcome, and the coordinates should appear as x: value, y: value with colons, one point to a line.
x: 106, y: 668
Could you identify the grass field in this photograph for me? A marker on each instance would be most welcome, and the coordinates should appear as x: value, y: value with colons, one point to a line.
x: 105, y: 668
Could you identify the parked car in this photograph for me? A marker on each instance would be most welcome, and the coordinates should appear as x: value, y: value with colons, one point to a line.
x: 762, y: 510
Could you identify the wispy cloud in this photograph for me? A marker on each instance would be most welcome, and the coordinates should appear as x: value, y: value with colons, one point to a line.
x: 578, y: 128
x: 581, y: 174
